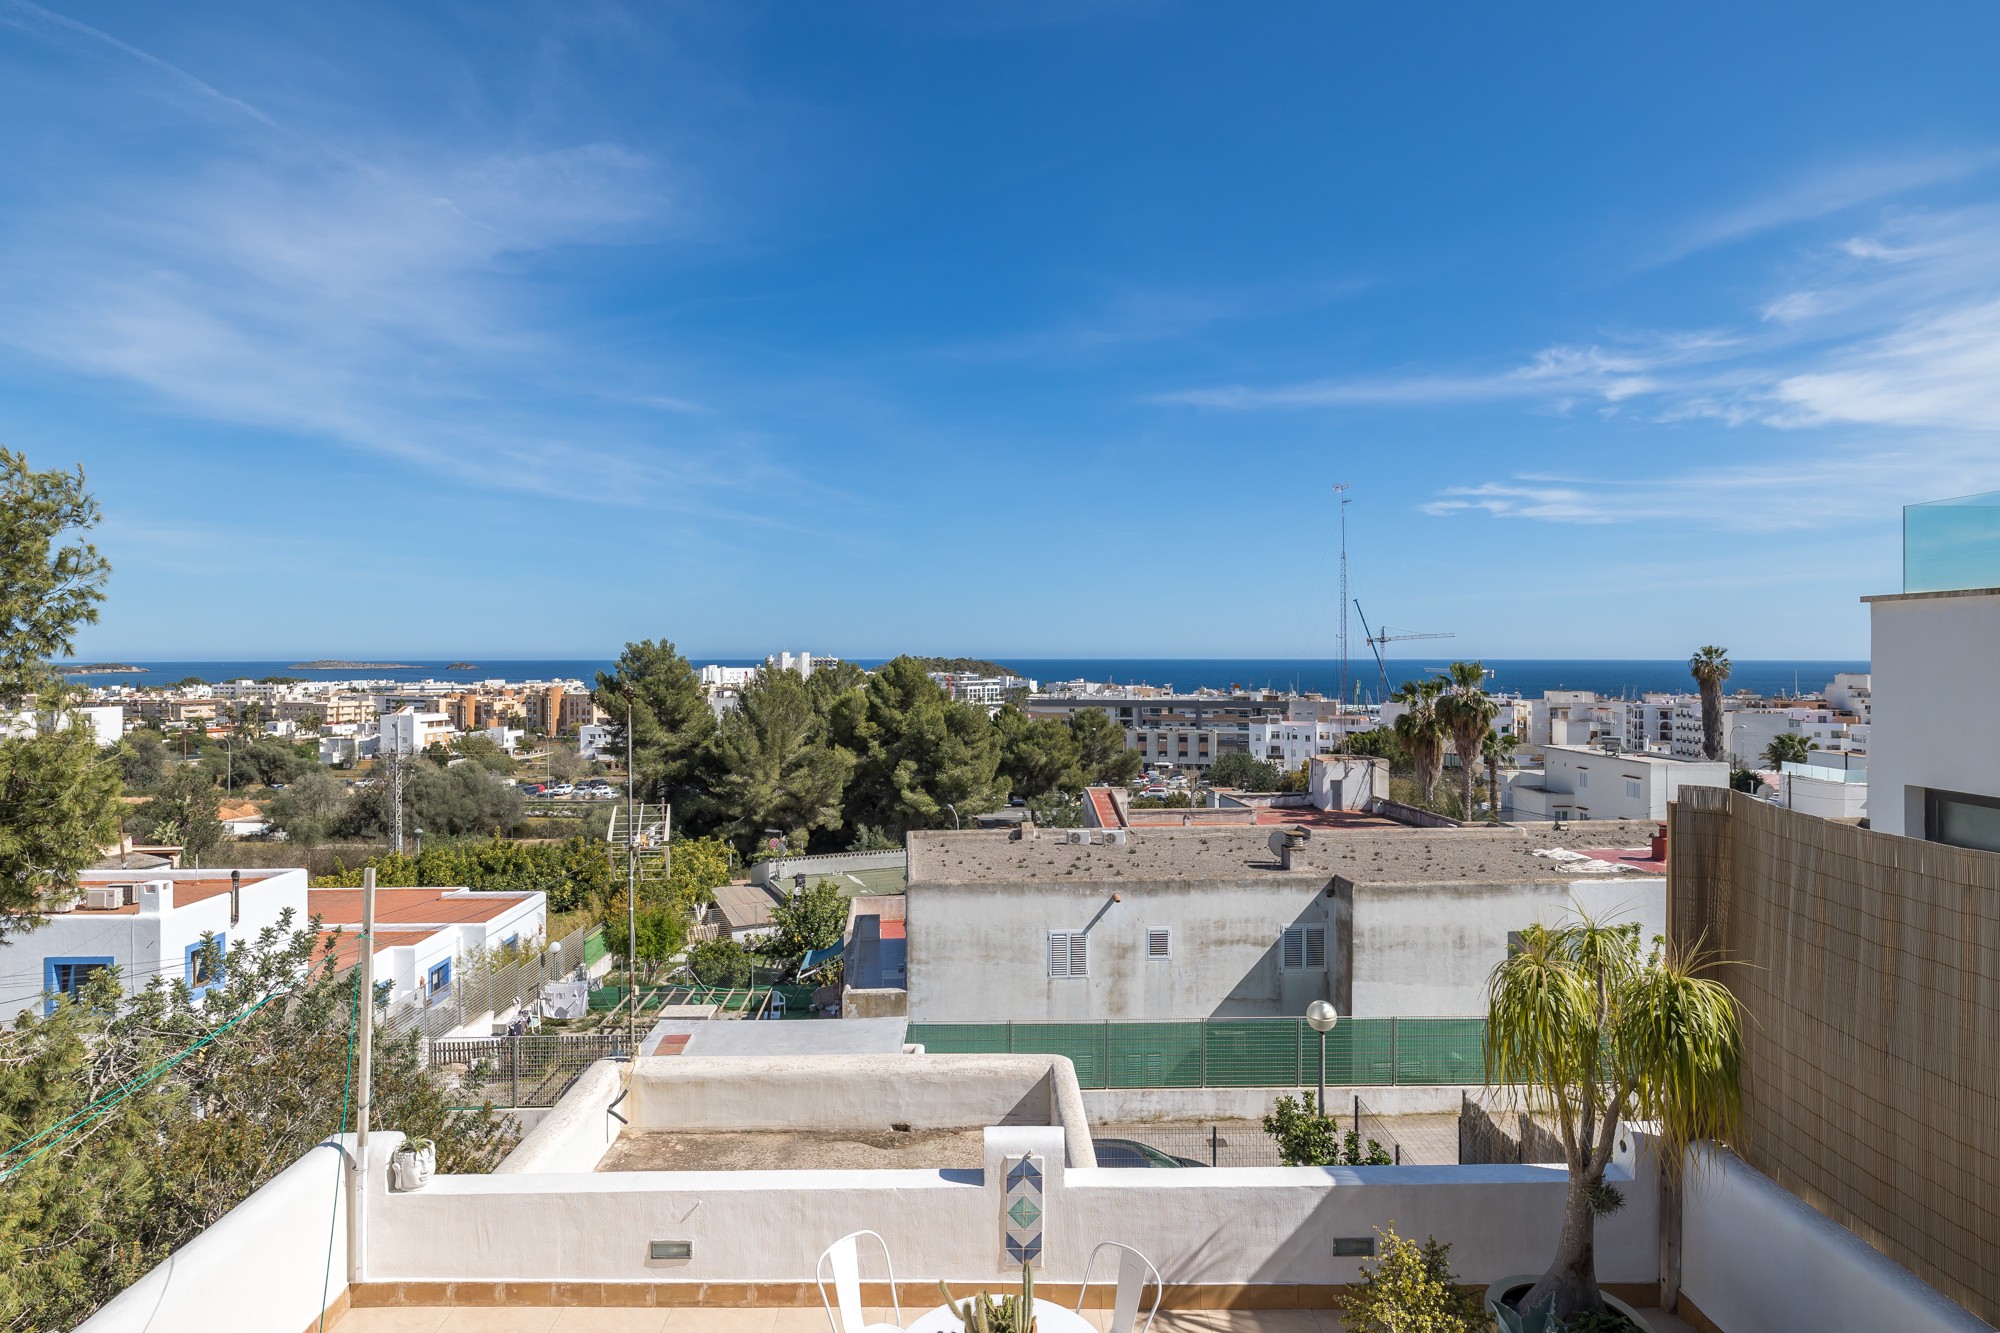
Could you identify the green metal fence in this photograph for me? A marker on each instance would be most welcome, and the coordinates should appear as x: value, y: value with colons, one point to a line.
x: 1235, y: 1052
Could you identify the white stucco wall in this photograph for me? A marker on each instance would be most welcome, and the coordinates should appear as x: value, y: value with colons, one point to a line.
x: 1925, y: 648
x: 1228, y: 1225
x: 1427, y: 949
x: 262, y: 1266
x: 1755, y: 1257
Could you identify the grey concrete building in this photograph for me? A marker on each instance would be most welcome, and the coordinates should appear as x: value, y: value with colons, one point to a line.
x: 1176, y: 924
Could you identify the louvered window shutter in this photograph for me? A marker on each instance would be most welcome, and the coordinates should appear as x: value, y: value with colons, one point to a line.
x: 1315, y: 947
x: 1292, y: 955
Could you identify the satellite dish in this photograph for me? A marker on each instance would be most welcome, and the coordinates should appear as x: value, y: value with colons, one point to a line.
x: 1277, y: 843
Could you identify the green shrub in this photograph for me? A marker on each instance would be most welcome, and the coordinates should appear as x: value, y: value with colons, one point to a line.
x: 1411, y: 1289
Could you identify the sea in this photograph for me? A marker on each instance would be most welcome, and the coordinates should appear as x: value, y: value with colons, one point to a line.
x: 1615, y: 678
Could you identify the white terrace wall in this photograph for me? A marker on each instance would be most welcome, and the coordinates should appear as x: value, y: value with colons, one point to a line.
x: 264, y: 1267
x: 860, y: 1092
x: 854, y: 1092
x: 1756, y: 1259
x: 1218, y: 1226
x: 831, y: 864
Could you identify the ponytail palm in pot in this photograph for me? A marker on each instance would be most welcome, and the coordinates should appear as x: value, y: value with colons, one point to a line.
x: 1593, y: 1032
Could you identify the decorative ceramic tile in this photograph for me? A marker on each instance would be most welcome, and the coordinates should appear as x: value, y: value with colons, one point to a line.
x: 1021, y: 1209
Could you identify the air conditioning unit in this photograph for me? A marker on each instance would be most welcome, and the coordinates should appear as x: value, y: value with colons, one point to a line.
x: 1116, y: 837
x: 103, y: 897
x: 1079, y: 837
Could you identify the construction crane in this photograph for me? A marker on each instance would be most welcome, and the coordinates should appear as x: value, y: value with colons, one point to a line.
x: 1375, y: 642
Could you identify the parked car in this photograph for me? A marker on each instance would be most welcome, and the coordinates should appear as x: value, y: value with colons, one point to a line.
x: 1131, y: 1152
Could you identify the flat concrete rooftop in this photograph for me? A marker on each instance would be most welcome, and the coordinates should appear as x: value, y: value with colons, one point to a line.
x: 796, y: 1150
x: 1504, y: 855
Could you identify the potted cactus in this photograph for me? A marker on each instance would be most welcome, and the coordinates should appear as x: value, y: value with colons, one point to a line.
x: 1009, y: 1314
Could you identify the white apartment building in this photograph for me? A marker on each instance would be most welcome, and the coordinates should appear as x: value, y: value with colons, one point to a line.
x: 1851, y: 692
x: 1577, y: 783
x: 147, y: 924
x: 1649, y: 723
x: 406, y: 731
x: 1291, y: 743
x: 348, y: 744
x: 716, y: 677
x: 107, y: 721
x: 1932, y: 767
x: 970, y: 688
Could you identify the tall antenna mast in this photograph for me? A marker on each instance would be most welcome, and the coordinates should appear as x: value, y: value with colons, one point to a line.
x: 1340, y: 488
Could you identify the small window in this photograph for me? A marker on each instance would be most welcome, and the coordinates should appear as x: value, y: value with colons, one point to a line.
x: 66, y: 976
x: 1582, y: 778
x: 1159, y: 944
x: 440, y: 979
x: 1302, y: 949
x: 510, y: 942
x: 1634, y: 788
x: 202, y: 970
x: 1069, y: 953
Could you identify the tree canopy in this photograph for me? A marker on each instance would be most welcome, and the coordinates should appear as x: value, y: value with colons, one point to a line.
x: 58, y: 792
x: 103, y: 1205
x: 673, y: 729
x: 924, y: 761
x: 780, y: 768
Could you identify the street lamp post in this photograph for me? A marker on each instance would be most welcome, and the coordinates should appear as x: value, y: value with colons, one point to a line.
x: 1322, y: 1016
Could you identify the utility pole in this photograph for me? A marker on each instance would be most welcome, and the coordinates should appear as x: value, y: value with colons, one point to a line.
x: 365, y: 1045
x: 395, y: 760
x: 1340, y: 488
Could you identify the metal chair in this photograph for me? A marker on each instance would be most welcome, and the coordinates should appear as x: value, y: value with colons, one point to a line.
x: 1133, y: 1269
x: 845, y: 1257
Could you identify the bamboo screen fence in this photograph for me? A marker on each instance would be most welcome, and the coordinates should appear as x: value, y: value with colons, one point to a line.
x: 1868, y: 967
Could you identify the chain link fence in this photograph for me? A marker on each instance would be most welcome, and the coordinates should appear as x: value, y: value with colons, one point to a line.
x: 1235, y: 1052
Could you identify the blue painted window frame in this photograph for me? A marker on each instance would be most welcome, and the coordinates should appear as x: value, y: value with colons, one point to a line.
x: 49, y: 966
x: 440, y: 979
x: 510, y: 941
x: 221, y: 964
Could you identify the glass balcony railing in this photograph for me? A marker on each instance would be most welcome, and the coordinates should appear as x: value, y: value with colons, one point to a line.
x: 1952, y: 544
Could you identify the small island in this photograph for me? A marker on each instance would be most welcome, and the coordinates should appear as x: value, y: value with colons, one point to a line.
x: 330, y: 665
x: 461, y: 666
x: 100, y: 669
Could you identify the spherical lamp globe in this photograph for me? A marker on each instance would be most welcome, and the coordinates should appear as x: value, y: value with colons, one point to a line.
x: 1322, y: 1016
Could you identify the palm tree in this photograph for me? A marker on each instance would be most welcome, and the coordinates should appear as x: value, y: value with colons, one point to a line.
x: 1497, y: 746
x: 1710, y: 667
x: 1593, y: 1034
x: 1467, y: 711
x: 1421, y: 730
x: 1788, y: 748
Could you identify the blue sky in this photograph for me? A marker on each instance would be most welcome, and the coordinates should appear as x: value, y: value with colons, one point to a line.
x: 491, y: 329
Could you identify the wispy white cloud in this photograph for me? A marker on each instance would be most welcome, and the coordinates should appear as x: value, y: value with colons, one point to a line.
x: 1555, y: 504
x: 380, y: 302
x: 1824, y: 193
x: 1611, y: 371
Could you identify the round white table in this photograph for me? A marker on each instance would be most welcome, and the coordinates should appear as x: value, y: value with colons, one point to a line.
x: 1049, y: 1318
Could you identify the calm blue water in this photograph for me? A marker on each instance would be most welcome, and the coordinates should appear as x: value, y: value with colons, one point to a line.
x: 1525, y: 676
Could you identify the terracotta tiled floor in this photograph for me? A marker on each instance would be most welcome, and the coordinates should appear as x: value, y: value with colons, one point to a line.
x: 523, y: 1319
x: 520, y: 1319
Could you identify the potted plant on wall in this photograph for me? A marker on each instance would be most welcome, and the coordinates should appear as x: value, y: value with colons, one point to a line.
x: 1592, y: 1032
x: 412, y: 1165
